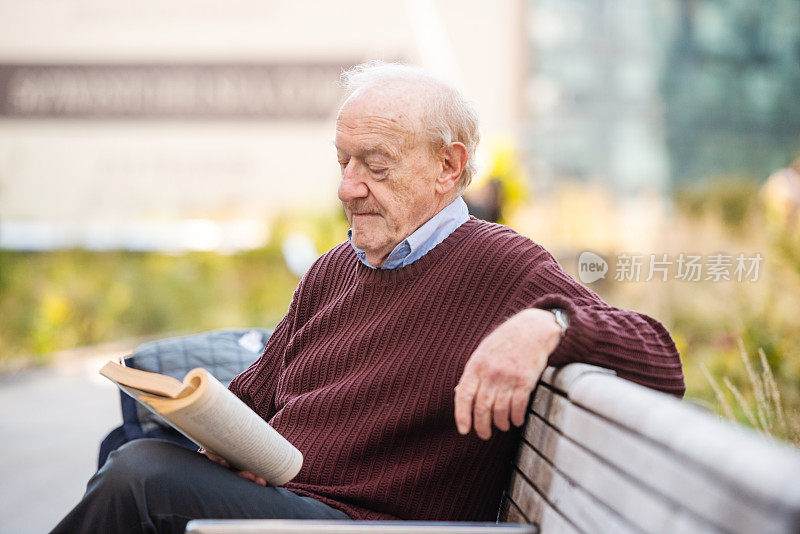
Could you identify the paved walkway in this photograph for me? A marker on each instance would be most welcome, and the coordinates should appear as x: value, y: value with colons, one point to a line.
x: 51, y: 423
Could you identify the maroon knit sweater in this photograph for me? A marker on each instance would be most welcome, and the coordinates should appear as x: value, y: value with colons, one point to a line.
x: 360, y: 373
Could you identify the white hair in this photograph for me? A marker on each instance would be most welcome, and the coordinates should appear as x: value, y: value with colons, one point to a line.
x: 450, y: 117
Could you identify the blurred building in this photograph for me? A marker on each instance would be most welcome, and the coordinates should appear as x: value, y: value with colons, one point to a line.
x: 731, y: 86
x: 143, y: 125
x: 593, y: 94
x: 641, y: 94
x: 198, y: 122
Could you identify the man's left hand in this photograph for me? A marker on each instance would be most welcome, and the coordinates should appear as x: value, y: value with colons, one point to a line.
x: 249, y: 475
x: 503, y: 371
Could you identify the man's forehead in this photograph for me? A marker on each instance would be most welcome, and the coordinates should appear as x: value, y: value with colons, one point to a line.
x: 398, y: 101
x: 378, y: 120
x: 366, y: 137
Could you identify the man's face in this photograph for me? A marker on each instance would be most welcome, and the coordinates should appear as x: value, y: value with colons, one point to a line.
x: 388, y: 171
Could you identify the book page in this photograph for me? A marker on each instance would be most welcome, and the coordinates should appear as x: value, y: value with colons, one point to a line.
x: 221, y: 423
x: 145, y: 381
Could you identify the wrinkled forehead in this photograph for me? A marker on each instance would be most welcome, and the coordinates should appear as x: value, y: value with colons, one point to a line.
x: 381, y: 115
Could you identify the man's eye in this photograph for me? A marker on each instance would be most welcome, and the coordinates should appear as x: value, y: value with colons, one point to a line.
x: 378, y: 171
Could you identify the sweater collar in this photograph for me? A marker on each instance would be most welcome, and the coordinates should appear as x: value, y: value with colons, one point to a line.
x: 423, y: 239
x: 434, y: 256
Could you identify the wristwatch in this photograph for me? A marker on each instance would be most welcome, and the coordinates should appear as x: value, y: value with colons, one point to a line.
x: 562, y: 318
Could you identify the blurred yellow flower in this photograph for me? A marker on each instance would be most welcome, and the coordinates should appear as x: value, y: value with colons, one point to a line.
x: 55, y: 309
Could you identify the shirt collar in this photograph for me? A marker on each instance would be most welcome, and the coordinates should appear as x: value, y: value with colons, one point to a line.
x: 424, y: 238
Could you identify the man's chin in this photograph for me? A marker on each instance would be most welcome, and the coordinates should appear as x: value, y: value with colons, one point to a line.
x: 361, y: 243
x: 357, y: 237
x: 364, y: 242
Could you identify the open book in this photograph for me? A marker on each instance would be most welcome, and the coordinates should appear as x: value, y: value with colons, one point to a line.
x: 207, y: 413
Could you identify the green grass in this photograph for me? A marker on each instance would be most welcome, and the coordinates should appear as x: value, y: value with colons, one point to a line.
x: 62, y: 299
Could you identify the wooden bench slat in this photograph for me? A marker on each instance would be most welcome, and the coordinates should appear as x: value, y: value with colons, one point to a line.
x: 572, y: 501
x: 668, y: 474
x: 537, y: 509
x: 757, y: 465
x: 637, y: 504
x: 510, y: 513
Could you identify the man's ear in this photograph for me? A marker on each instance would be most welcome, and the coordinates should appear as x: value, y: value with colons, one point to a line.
x: 454, y: 160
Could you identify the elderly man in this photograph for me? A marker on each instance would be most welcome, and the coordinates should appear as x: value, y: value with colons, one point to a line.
x: 424, y: 325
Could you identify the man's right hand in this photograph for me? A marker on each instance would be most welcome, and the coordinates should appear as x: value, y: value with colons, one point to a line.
x: 224, y: 463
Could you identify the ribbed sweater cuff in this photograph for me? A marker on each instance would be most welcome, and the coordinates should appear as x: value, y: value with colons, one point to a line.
x: 578, y: 343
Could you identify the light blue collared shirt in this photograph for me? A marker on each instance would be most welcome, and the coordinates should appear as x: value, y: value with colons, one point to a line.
x: 423, y: 239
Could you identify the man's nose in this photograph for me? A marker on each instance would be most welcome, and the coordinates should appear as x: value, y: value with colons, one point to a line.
x: 352, y: 185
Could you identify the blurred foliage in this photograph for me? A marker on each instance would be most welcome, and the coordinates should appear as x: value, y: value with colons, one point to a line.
x: 718, y: 325
x: 707, y: 319
x: 61, y: 299
x: 69, y: 298
x: 764, y: 411
x: 502, y: 187
x: 781, y: 200
x: 730, y: 199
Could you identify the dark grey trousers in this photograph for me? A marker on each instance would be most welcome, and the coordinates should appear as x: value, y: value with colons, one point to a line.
x: 153, y: 486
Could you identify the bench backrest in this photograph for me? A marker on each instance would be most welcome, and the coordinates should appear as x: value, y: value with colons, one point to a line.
x: 601, y: 454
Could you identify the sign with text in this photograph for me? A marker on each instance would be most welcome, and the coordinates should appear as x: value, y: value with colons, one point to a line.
x: 170, y: 91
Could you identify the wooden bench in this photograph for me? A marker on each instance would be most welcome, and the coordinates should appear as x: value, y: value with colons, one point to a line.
x: 601, y: 454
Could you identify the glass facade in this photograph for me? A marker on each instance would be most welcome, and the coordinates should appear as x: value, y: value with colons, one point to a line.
x: 643, y: 94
